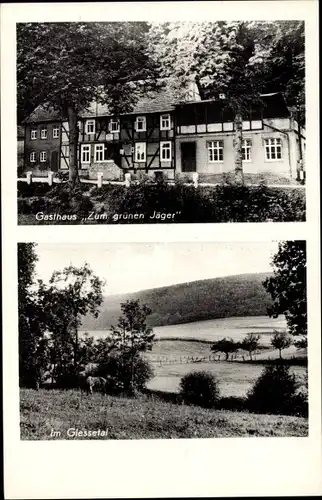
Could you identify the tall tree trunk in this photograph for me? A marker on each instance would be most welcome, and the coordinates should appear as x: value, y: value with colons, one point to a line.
x: 76, y: 350
x: 238, y: 143
x: 280, y: 351
x: 73, y: 145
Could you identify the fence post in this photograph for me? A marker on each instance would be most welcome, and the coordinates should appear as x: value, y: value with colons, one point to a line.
x: 127, y: 179
x: 50, y: 178
x: 195, y: 178
x: 99, y: 179
x: 29, y: 177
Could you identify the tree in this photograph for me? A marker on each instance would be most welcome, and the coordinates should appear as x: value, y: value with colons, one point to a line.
x: 66, y: 66
x: 33, y: 347
x: 283, y: 68
x: 280, y: 341
x: 287, y: 286
x: 250, y: 344
x: 132, y: 336
x: 301, y: 343
x: 200, y: 388
x: 275, y: 391
x: 71, y: 294
x: 225, y: 345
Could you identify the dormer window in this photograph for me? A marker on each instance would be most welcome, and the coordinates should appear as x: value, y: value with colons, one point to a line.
x: 114, y: 125
x: 43, y: 133
x: 140, y: 124
x: 165, y: 122
x: 90, y: 127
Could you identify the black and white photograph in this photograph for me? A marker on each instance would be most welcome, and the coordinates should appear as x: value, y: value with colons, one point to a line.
x: 211, y: 342
x: 161, y: 270
x: 161, y: 122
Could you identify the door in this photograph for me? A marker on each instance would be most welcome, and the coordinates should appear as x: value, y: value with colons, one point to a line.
x: 54, y: 161
x: 188, y: 156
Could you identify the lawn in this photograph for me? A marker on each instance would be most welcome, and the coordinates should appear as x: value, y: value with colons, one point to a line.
x: 45, y: 411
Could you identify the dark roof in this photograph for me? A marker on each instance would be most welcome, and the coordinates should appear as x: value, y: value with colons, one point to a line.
x: 164, y: 99
x: 43, y: 114
x: 20, y: 132
x: 273, y: 106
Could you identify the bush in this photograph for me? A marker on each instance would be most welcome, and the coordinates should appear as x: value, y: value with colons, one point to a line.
x: 200, y: 388
x: 117, y: 370
x: 275, y: 391
x: 221, y: 203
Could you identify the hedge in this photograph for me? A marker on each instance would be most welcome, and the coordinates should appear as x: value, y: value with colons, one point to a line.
x: 221, y: 203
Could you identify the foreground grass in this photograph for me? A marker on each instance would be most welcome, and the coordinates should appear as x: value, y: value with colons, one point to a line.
x: 142, y: 418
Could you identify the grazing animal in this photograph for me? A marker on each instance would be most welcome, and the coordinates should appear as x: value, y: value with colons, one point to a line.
x: 96, y: 383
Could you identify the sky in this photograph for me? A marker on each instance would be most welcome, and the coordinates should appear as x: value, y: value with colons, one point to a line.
x: 130, y: 267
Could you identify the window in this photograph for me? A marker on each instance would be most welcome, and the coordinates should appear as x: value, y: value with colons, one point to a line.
x: 55, y: 132
x: 165, y: 122
x: 215, y: 151
x: 273, y: 149
x: 32, y: 157
x: 114, y: 125
x: 140, y: 124
x: 247, y: 149
x: 33, y: 134
x: 165, y: 149
x: 90, y: 127
x: 85, y: 153
x: 43, y: 133
x: 99, y: 152
x: 43, y: 157
x: 140, y: 151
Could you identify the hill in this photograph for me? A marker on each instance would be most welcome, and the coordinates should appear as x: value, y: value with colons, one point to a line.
x: 240, y: 295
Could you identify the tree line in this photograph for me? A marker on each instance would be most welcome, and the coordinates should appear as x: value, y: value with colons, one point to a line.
x: 66, y: 66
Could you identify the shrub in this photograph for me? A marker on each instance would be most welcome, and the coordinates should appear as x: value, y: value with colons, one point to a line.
x: 117, y: 370
x: 275, y: 391
x: 227, y: 202
x: 200, y: 388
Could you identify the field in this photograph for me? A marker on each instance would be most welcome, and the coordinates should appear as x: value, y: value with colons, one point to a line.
x: 214, y: 329
x: 235, y: 378
x: 170, y: 355
x: 44, y: 411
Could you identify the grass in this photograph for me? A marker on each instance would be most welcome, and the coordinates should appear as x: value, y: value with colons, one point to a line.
x: 142, y: 418
x: 235, y: 378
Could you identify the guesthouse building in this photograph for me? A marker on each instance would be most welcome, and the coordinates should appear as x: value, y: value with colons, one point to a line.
x: 170, y: 135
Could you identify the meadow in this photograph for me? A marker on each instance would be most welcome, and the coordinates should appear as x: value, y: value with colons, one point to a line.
x: 176, y: 344
x: 49, y: 413
x: 44, y: 412
x: 235, y: 378
x: 215, y: 329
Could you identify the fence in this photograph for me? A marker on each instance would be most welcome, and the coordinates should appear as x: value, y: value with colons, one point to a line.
x: 172, y: 360
x: 51, y: 179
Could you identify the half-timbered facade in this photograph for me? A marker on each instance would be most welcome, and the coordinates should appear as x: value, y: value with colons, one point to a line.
x: 167, y: 136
